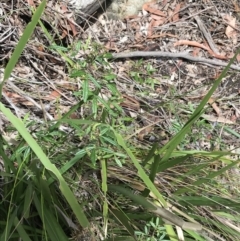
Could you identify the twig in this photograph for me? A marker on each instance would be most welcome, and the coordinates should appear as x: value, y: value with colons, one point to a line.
x: 206, y: 34
x: 196, y: 44
x: 2, y: 37
x: 48, y: 82
x: 23, y: 94
x: 17, y: 111
x: 183, y: 55
x: 19, y: 91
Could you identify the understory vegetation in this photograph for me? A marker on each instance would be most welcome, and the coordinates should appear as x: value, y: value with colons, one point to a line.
x: 98, y: 172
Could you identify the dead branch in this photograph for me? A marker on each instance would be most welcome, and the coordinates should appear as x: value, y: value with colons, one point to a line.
x: 181, y: 55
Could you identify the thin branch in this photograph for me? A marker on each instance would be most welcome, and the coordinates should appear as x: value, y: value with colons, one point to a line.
x: 182, y: 55
x: 206, y: 34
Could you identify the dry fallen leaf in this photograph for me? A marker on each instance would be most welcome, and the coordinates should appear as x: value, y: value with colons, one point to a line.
x: 31, y: 3
x: 150, y: 28
x: 175, y: 17
x: 130, y: 103
x: 72, y: 26
x: 217, y: 119
x: 196, y: 44
x: 158, y: 22
x: 236, y: 6
x: 212, y: 102
x: 53, y: 95
x: 144, y: 132
x: 16, y: 99
x: 230, y: 31
x: 238, y: 58
x: 149, y: 9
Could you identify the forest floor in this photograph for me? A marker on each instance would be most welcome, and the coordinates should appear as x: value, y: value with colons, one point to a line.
x: 161, y: 62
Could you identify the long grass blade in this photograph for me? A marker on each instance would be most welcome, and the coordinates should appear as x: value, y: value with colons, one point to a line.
x: 22, y: 43
x: 172, y: 144
x: 67, y: 193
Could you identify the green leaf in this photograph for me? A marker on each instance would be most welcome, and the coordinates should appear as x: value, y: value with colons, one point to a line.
x: 5, y: 236
x: 27, y: 200
x: 207, y: 201
x: 141, y: 172
x: 67, y: 193
x: 22, y: 43
x: 195, y: 235
x: 21, y: 231
x: 94, y: 81
x: 78, y: 73
x: 122, y: 218
x: 153, y: 172
x: 85, y: 90
x: 50, y: 223
x: 140, y: 200
x: 209, y: 177
x: 94, y: 107
x: 110, y: 77
x: 150, y: 154
x: 104, y: 189
x: 172, y: 144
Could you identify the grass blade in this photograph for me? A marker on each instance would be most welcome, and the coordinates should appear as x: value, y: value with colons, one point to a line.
x: 67, y: 193
x: 22, y: 43
x: 172, y: 144
x: 104, y: 189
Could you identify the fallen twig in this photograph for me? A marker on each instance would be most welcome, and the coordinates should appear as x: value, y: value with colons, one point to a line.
x: 183, y: 55
x: 196, y: 44
x: 206, y: 34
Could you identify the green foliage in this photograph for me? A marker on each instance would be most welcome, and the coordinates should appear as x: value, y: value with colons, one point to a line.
x: 44, y: 170
x: 153, y: 231
x: 32, y: 178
